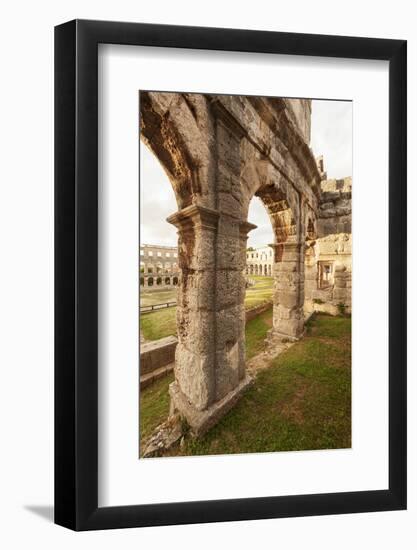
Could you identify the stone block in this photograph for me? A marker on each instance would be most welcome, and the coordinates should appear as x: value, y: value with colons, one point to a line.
x: 227, y: 369
x: 194, y: 374
x: 157, y: 354
x: 230, y: 325
x: 230, y: 204
x: 200, y: 421
x: 229, y: 284
x: 196, y: 329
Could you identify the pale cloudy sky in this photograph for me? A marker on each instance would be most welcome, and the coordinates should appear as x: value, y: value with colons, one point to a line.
x: 331, y: 136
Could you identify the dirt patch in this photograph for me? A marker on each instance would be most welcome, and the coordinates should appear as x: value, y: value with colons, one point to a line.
x: 265, y: 359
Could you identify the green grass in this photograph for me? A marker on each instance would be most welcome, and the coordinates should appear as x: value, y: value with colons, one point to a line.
x: 256, y: 331
x: 259, y: 293
x: 302, y: 401
x: 157, y: 297
x: 159, y: 324
x: 154, y: 406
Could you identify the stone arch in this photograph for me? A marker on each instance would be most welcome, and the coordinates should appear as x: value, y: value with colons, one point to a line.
x: 142, y: 281
x: 167, y: 280
x: 218, y: 152
x: 283, y: 205
x: 159, y: 281
x: 150, y: 281
x: 160, y: 133
x: 175, y: 281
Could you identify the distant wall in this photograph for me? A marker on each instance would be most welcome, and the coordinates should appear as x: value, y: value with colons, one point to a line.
x: 332, y: 247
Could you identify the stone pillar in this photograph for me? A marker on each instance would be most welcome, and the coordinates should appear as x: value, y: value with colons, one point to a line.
x: 194, y: 363
x: 342, y: 292
x: 210, y: 360
x: 288, y: 315
x: 310, y: 280
x: 230, y: 307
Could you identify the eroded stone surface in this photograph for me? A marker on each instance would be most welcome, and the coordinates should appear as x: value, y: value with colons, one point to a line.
x: 165, y: 436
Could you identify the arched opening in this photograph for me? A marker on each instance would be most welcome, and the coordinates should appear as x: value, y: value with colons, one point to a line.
x: 175, y: 281
x: 282, y: 205
x: 142, y: 281
x: 260, y: 292
x: 160, y: 196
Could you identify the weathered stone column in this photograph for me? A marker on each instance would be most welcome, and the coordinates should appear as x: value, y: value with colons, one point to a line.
x: 209, y: 359
x: 194, y: 363
x: 230, y: 307
x: 310, y: 279
x: 288, y: 314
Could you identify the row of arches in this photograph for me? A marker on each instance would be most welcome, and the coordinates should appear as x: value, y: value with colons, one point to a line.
x: 159, y: 281
x: 265, y: 270
x: 150, y: 268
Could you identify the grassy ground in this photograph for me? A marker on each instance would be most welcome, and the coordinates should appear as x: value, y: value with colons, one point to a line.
x: 154, y: 406
x: 302, y: 401
x: 159, y: 324
x: 157, y: 297
x: 256, y: 331
x: 259, y: 293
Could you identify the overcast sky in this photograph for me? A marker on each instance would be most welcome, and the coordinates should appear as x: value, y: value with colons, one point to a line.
x: 331, y: 136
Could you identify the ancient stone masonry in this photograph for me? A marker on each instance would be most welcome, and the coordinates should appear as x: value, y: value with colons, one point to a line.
x: 218, y: 153
x: 158, y: 266
x: 260, y: 261
x: 328, y: 280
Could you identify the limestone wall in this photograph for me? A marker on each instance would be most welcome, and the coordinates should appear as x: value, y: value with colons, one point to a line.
x: 329, y: 258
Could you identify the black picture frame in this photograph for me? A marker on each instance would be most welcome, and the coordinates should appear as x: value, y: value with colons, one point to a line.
x: 76, y: 272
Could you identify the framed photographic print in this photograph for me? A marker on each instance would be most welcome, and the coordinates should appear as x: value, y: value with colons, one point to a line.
x: 230, y: 275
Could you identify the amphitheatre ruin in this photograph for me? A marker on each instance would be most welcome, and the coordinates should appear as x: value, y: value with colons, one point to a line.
x: 219, y: 152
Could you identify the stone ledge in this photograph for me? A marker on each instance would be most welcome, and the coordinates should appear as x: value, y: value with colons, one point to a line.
x: 201, y: 421
x: 157, y: 354
x: 257, y: 310
x: 148, y: 379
